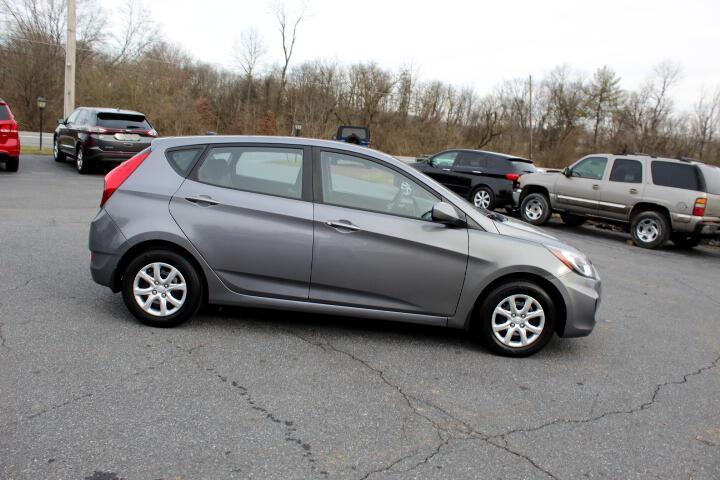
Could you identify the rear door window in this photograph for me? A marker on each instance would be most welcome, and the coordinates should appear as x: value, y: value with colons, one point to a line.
x: 626, y: 171
x: 497, y: 164
x: 676, y: 175
x: 591, y: 167
x: 268, y: 170
x: 122, y: 121
x: 472, y: 160
x: 4, y: 113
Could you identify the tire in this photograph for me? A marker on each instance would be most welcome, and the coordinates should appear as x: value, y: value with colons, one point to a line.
x: 58, y: 155
x: 684, y: 240
x: 12, y: 164
x: 153, y: 315
x: 508, y: 341
x: 572, y: 220
x: 535, y: 209
x: 650, y: 229
x: 483, y: 197
x: 83, y: 166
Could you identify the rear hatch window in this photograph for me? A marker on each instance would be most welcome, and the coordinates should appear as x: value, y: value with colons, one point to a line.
x: 676, y: 175
x: 122, y: 121
x: 5, y: 113
x: 361, y: 133
x: 523, y: 166
x: 712, y: 178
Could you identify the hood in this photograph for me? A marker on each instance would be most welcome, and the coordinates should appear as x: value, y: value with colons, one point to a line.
x: 524, y: 231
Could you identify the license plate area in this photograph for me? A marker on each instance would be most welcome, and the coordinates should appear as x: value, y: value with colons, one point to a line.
x: 127, y: 137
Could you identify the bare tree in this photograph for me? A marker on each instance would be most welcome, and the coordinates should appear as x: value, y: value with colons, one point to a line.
x: 603, y: 96
x: 287, y: 26
x: 249, y: 49
x: 704, y: 122
x: 138, y: 32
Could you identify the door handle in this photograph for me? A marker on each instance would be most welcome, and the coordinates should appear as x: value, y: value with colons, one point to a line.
x: 633, y: 190
x: 197, y: 199
x: 596, y: 187
x: 476, y: 171
x: 446, y: 169
x: 342, y: 224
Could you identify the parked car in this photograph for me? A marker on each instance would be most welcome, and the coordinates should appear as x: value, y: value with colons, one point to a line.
x: 92, y: 136
x: 486, y: 179
x: 9, y: 138
x: 354, y: 134
x: 244, y: 220
x: 657, y: 198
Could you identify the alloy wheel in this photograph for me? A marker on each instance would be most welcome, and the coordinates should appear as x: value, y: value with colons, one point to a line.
x: 518, y: 321
x: 79, y: 160
x: 56, y: 149
x: 160, y: 289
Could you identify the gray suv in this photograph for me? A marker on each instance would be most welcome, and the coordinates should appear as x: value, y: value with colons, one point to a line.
x: 329, y: 228
x: 656, y: 198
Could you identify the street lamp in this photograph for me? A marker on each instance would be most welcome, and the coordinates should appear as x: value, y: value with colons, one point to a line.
x: 296, y: 129
x: 41, y: 103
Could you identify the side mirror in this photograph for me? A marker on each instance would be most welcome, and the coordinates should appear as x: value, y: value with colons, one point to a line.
x: 567, y: 171
x: 443, y: 212
x: 61, y: 121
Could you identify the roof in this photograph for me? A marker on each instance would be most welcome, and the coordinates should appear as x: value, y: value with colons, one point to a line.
x: 496, y: 154
x: 114, y: 110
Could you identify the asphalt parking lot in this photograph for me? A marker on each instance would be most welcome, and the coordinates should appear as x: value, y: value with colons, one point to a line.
x: 88, y: 392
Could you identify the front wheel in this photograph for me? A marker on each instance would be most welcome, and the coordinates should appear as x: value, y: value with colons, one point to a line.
x: 517, y: 319
x: 161, y: 288
x: 83, y: 166
x: 58, y: 155
x: 535, y: 209
x: 685, y: 240
x: 650, y: 229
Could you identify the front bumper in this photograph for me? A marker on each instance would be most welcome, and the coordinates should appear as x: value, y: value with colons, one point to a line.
x: 582, y: 300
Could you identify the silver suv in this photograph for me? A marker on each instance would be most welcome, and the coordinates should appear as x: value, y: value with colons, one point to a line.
x: 657, y: 198
x: 333, y: 228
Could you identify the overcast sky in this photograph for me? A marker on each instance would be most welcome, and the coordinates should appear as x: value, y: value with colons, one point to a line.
x: 471, y: 43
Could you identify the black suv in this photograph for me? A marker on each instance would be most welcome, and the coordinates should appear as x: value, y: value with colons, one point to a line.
x: 486, y: 179
x: 101, y: 135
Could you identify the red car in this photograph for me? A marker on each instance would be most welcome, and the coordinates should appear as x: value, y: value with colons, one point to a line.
x: 9, y: 138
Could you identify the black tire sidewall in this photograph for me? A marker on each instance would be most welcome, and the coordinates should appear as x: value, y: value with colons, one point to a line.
x: 86, y: 167
x: 483, y: 327
x: 194, y: 294
x: 547, y: 211
x: 663, y: 224
x: 489, y: 191
x: 60, y: 157
x: 12, y: 164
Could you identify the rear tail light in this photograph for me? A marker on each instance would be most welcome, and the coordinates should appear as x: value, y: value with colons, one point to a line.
x: 151, y: 133
x: 119, y: 174
x: 513, y: 176
x: 699, y: 208
x: 12, y: 128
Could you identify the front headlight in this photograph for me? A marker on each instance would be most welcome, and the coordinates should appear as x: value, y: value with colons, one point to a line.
x: 577, y: 262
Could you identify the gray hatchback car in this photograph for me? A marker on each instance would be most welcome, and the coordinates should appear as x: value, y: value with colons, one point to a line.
x: 330, y: 228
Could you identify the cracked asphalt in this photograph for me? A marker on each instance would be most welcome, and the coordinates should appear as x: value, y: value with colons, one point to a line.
x: 88, y: 393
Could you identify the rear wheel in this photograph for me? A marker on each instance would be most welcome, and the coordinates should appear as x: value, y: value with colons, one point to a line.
x: 83, y: 166
x: 161, y: 288
x: 535, y: 209
x: 58, y: 155
x: 572, y: 220
x: 684, y: 240
x: 12, y: 164
x: 483, y: 197
x: 516, y: 319
x: 650, y: 229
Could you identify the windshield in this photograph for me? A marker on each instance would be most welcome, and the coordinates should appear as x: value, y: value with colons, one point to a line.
x: 123, y: 121
x: 712, y: 178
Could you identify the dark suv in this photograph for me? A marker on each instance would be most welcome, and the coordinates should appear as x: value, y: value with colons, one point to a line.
x: 486, y: 179
x: 101, y: 135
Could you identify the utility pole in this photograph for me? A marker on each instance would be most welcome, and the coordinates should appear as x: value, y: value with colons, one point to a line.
x: 69, y: 96
x: 530, y: 122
